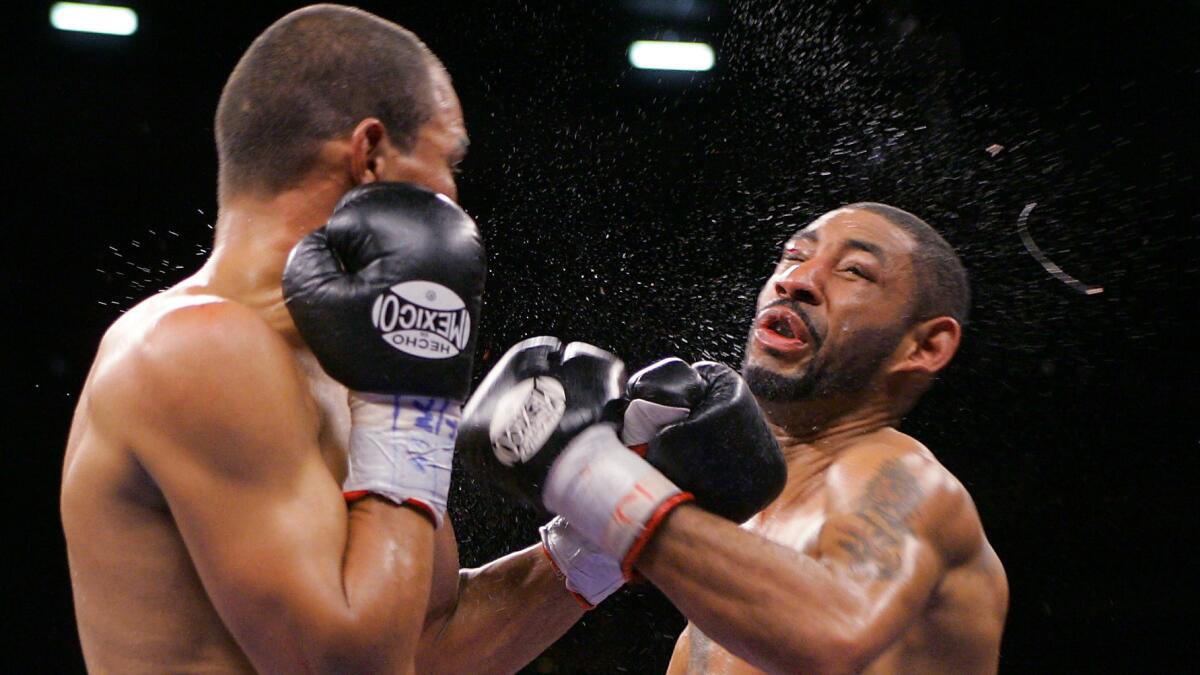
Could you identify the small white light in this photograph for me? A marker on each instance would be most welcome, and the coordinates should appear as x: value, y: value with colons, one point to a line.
x: 84, y: 18
x: 663, y: 55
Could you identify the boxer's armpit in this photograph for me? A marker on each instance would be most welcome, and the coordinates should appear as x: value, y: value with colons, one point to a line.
x: 873, y: 537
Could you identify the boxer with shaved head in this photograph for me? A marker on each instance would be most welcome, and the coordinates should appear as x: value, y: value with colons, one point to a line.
x: 257, y: 470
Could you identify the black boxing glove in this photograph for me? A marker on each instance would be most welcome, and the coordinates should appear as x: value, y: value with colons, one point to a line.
x: 536, y: 398
x: 536, y: 426
x: 702, y: 428
x: 387, y: 295
x: 589, y: 573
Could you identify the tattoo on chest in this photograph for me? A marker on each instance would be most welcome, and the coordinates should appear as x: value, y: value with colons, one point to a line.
x: 876, y: 533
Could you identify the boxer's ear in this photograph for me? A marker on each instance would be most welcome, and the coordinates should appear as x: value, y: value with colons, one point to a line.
x: 368, y: 142
x: 929, y: 346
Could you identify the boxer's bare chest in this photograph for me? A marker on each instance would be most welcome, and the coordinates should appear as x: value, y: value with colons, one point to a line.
x: 796, y: 525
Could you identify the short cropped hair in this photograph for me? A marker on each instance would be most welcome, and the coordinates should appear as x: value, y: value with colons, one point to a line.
x: 311, y: 77
x: 942, y: 288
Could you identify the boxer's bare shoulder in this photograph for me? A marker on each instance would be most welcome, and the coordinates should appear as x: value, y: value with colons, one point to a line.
x: 193, y: 358
x: 892, y: 479
x: 888, y: 492
x: 891, y: 475
x: 174, y: 368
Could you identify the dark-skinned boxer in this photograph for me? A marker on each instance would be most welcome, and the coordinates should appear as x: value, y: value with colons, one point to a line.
x: 873, y: 558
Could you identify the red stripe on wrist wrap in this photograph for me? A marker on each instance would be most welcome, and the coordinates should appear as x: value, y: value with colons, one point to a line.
x: 648, y: 531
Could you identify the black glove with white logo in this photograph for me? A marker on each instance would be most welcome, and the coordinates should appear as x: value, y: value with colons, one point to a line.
x: 387, y: 295
x: 537, y: 426
x: 535, y: 399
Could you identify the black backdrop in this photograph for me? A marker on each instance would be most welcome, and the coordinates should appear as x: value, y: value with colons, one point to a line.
x: 642, y: 213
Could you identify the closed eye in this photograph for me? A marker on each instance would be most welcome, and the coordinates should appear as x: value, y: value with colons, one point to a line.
x: 858, y: 271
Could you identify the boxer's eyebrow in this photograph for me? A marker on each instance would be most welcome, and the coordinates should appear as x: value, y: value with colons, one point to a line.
x: 852, y: 244
x: 860, y: 245
x: 802, y: 235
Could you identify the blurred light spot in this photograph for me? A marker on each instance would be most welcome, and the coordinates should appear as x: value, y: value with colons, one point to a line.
x: 663, y: 55
x: 672, y: 9
x: 83, y: 18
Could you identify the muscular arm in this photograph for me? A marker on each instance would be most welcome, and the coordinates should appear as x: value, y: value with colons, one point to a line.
x: 213, y: 405
x: 507, y: 613
x: 875, y: 566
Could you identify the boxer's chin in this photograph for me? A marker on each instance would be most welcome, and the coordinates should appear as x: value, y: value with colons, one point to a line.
x: 769, y: 385
x: 760, y: 370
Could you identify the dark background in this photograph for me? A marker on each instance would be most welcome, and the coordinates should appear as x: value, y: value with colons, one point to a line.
x: 642, y: 213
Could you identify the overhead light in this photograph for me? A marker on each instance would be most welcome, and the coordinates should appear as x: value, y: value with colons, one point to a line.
x: 85, y: 18
x: 664, y: 55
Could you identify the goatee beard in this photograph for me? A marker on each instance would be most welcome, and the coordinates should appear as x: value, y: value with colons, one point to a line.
x: 825, y: 377
x: 768, y: 385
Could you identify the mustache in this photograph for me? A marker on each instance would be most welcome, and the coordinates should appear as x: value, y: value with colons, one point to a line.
x: 797, y: 309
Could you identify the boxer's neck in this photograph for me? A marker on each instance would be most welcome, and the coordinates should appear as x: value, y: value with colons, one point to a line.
x: 813, y: 436
x: 254, y: 234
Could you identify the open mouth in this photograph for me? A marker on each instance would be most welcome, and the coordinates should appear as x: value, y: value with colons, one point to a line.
x: 782, y: 330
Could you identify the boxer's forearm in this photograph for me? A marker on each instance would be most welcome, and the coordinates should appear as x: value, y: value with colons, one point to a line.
x: 771, y: 606
x: 509, y: 611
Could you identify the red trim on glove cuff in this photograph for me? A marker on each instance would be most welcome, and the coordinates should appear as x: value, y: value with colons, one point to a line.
x: 587, y: 606
x: 423, y: 509
x: 415, y: 504
x: 355, y: 495
x: 648, y: 531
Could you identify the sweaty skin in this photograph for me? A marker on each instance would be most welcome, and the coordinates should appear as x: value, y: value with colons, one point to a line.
x: 873, y: 559
x: 879, y: 556
x: 201, y: 495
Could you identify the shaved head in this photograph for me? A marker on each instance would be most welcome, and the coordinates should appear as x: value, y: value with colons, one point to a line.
x: 311, y: 77
x: 942, y: 288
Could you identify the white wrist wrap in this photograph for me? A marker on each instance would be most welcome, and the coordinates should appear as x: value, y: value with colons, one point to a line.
x: 611, y: 495
x: 402, y: 449
x: 589, y: 572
